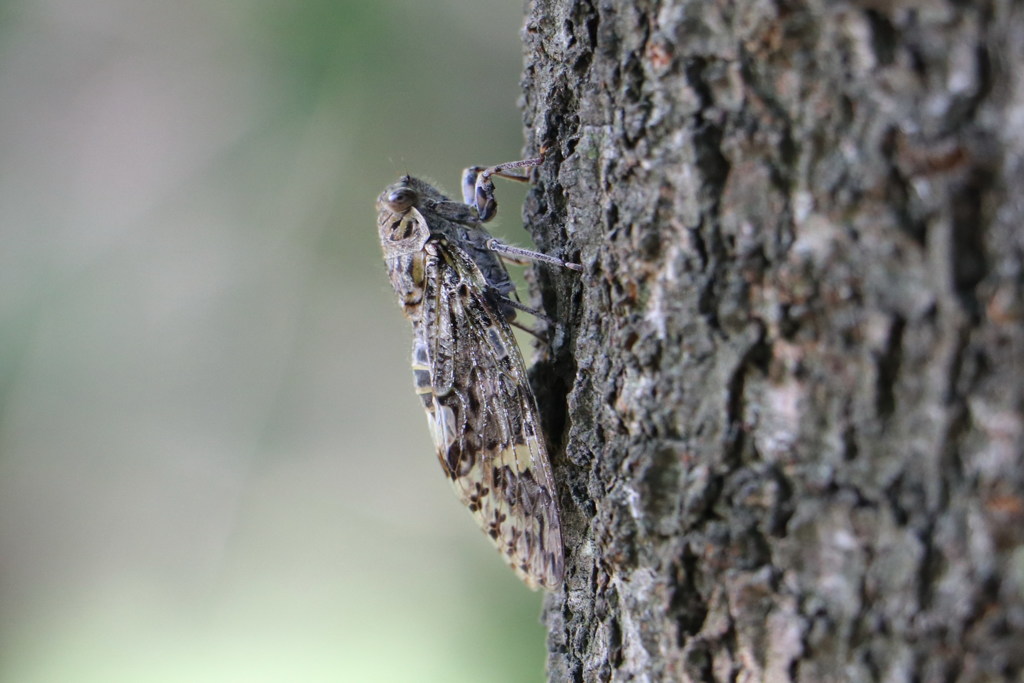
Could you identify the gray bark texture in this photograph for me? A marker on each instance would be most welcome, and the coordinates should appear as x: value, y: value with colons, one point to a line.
x: 785, y: 398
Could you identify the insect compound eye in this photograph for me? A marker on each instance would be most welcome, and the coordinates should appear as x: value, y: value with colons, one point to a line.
x: 401, y: 199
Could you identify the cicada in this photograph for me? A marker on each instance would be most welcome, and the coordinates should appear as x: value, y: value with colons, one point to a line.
x: 452, y: 285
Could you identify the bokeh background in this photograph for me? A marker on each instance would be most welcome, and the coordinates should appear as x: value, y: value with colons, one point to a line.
x: 212, y: 463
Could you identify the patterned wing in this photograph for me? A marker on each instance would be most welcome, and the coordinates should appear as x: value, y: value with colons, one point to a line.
x: 483, y: 416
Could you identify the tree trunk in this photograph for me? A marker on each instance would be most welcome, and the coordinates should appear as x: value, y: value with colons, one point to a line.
x: 785, y: 398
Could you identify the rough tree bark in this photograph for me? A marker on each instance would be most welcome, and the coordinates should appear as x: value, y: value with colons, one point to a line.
x: 786, y: 402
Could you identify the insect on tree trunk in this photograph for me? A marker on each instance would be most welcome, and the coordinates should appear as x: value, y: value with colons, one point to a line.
x: 784, y: 403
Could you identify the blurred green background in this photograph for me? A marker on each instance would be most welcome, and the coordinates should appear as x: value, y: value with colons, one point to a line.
x: 212, y: 463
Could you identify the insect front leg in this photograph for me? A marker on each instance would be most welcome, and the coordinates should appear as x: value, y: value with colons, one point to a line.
x: 478, y: 188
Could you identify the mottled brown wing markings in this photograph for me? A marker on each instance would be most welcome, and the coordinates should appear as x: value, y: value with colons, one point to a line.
x: 470, y: 375
x: 502, y: 472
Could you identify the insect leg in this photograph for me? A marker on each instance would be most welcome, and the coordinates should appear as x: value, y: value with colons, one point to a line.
x: 478, y: 188
x: 530, y: 331
x: 514, y: 253
x: 523, y: 307
x: 515, y: 304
